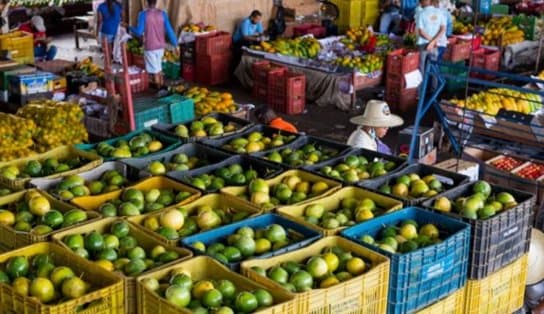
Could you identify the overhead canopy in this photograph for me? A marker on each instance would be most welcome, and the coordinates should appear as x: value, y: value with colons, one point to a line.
x: 224, y: 14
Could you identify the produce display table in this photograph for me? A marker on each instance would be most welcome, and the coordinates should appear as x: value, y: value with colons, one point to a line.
x: 322, y: 88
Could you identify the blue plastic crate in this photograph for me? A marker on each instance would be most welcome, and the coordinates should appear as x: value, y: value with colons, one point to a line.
x: 424, y: 276
x: 33, y: 83
x: 168, y: 142
x: 303, y: 235
x: 408, y: 7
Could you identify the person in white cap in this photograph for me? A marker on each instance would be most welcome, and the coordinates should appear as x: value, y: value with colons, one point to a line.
x: 373, y: 125
x: 42, y: 49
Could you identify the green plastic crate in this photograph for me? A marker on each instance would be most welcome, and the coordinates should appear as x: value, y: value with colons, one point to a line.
x: 178, y: 108
x: 460, y: 80
x: 499, y: 9
x: 171, y: 70
x: 146, y: 115
x: 529, y: 25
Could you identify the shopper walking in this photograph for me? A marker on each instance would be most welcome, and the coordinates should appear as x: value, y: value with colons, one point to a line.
x: 372, y: 126
x: 109, y: 15
x: 430, y: 29
x: 155, y: 26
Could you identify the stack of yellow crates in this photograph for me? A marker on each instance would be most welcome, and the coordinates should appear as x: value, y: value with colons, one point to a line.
x: 356, y: 13
x: 370, y: 12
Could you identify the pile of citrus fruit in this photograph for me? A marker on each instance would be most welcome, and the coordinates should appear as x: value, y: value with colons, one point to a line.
x: 357, y: 168
x: 178, y: 162
x: 405, y: 237
x: 207, y: 126
x: 233, y: 175
x: 15, y: 133
x: 207, y: 102
x: 179, y: 223
x: 247, y: 242
x: 37, y: 168
x: 58, y: 123
x: 200, y: 296
x: 76, y: 186
x: 333, y: 266
x: 34, y: 213
x: 256, y: 142
x: 413, y: 186
x: 134, y: 202
x: 119, y: 250
x: 138, y: 146
x: 309, y: 154
x: 38, y: 277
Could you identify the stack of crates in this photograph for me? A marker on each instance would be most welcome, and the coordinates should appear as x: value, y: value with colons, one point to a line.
x: 213, y: 58
x: 262, y: 72
x: 25, y: 87
x: 6, y: 73
x: 20, y: 45
x: 349, y: 13
x: 287, y: 92
x: 487, y: 59
x: 188, y: 60
x: 399, y: 63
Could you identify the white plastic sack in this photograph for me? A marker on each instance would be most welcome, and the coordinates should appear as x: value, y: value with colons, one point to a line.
x: 122, y: 36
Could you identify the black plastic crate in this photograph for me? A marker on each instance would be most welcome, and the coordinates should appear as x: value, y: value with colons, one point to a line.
x: 370, y: 156
x: 448, y: 179
x: 320, y: 143
x: 169, y: 129
x: 499, y: 240
x: 266, y: 170
x: 137, y: 166
x: 267, y: 132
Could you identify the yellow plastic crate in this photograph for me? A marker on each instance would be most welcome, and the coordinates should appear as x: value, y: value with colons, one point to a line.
x: 215, y: 201
x: 363, y: 294
x: 501, y: 292
x: 332, y: 203
x: 106, y: 296
x: 94, y: 202
x: 20, y: 45
x: 370, y: 12
x: 205, y: 268
x: 11, y: 239
x: 349, y: 13
x: 144, y: 240
x: 305, y: 176
x: 60, y: 153
x: 452, y: 304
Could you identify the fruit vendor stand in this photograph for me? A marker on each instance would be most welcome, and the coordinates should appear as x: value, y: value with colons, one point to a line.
x: 334, y: 68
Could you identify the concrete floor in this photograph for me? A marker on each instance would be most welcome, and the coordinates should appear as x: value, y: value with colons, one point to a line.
x: 327, y: 122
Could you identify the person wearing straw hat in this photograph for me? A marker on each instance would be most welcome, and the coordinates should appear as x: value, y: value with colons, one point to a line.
x: 373, y: 125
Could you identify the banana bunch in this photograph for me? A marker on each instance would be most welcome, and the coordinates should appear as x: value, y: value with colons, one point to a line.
x: 90, y: 68
x: 305, y: 47
x: 134, y: 46
x: 366, y: 64
x: 170, y: 56
x: 459, y: 28
x: 356, y: 37
x: 500, y: 31
x: 493, y: 100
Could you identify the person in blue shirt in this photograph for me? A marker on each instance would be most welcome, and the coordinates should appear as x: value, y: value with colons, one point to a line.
x: 249, y: 29
x: 430, y: 31
x: 109, y: 15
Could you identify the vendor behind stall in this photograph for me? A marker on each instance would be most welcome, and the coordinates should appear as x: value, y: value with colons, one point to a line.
x: 269, y: 117
x: 372, y: 126
x: 249, y: 30
x: 155, y: 26
x: 42, y: 49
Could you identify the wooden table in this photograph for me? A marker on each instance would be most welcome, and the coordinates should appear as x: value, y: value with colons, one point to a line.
x: 83, y: 28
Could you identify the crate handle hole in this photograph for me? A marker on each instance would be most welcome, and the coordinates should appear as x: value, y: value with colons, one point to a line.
x: 92, y: 306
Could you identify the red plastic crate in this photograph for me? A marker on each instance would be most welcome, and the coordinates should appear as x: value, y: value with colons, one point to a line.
x: 188, y: 72
x: 214, y: 69
x: 139, y: 82
x: 260, y: 90
x: 137, y: 60
x: 395, y: 82
x: 287, y: 93
x: 402, y: 100
x: 457, y: 50
x: 288, y: 105
x: 216, y: 43
x: 487, y: 59
x: 402, y: 61
x: 262, y: 70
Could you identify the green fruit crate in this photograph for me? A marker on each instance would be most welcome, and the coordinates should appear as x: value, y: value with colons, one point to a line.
x: 216, y: 201
x: 137, y: 167
x: 449, y: 180
x: 368, y: 154
x: 168, y: 142
x: 105, y: 297
x: 366, y: 293
x: 61, y: 152
x: 333, y: 202
x: 94, y: 202
x: 320, y: 144
x: 264, y: 169
x: 170, y: 129
x: 171, y: 70
x: 144, y: 240
x: 460, y: 76
x: 91, y: 175
x: 452, y: 304
x: 12, y: 239
x: 501, y: 292
x: 303, y: 175
x: 498, y: 240
x: 147, y: 113
x: 206, y: 268
x: 530, y: 25
x: 178, y: 108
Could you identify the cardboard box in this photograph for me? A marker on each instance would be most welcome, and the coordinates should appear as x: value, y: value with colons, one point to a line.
x: 429, y: 159
x: 424, y: 141
x: 468, y: 168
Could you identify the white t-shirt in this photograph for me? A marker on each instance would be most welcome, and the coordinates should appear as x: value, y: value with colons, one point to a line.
x: 430, y: 19
x: 361, y: 139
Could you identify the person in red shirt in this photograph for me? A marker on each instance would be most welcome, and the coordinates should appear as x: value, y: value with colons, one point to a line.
x: 42, y: 49
x: 269, y: 117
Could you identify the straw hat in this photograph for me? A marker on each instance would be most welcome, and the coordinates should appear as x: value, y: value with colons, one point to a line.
x: 38, y: 23
x: 535, y: 271
x: 377, y: 115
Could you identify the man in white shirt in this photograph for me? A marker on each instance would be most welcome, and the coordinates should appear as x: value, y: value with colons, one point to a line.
x: 430, y: 29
